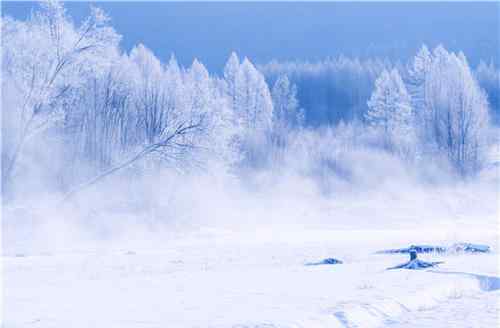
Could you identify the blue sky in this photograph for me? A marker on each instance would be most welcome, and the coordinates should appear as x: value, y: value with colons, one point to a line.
x: 307, y: 31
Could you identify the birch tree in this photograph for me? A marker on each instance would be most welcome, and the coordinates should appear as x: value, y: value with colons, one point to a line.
x: 46, y: 57
x: 457, y: 111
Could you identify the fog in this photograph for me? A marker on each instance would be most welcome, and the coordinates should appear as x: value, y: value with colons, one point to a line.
x: 368, y: 190
x: 251, y: 167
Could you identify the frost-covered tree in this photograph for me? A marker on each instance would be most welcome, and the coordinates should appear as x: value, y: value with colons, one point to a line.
x: 390, y: 112
x: 286, y: 106
x: 420, y: 66
x: 207, y: 101
x: 457, y: 114
x: 46, y: 58
x: 417, y: 74
x: 287, y: 114
x: 231, y: 70
x: 99, y: 124
x: 104, y: 110
x: 150, y: 96
x: 253, y: 102
x: 180, y: 119
x: 250, y: 99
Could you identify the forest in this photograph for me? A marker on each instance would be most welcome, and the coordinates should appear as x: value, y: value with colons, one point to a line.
x: 79, y: 110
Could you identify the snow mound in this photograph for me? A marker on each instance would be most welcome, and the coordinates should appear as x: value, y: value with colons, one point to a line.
x: 389, y: 311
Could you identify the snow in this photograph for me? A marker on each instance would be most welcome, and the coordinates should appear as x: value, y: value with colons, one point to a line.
x: 230, y: 278
x: 144, y: 194
x: 477, y: 310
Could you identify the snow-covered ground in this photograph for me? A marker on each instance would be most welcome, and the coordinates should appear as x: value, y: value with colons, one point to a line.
x: 241, y: 263
x: 228, y: 278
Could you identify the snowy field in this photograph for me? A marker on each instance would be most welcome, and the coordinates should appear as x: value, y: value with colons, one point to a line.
x: 222, y: 278
x: 252, y: 272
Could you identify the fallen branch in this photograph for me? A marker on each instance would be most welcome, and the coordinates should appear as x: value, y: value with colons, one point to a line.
x: 181, y: 130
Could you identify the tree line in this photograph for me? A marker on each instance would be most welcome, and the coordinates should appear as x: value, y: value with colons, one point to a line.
x: 69, y: 89
x: 434, y: 105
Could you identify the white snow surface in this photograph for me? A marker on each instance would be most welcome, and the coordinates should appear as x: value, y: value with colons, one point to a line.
x: 255, y: 278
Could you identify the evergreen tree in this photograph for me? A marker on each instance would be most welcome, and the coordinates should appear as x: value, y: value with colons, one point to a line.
x: 286, y: 106
x: 390, y: 112
x: 253, y: 102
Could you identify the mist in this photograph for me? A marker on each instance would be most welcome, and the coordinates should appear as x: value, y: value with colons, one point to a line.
x: 124, y: 165
x: 365, y: 189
